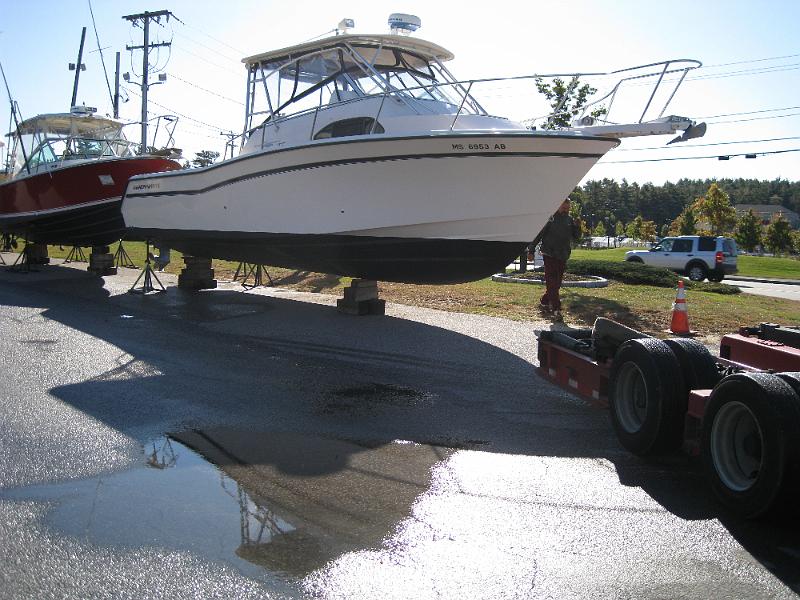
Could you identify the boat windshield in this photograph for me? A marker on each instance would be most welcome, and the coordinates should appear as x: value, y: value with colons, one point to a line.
x: 50, y: 147
x: 287, y: 86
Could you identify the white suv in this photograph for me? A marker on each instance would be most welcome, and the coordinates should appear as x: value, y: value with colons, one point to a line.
x: 697, y: 256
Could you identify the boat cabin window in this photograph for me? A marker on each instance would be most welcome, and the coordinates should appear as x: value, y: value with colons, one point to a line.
x: 285, y: 87
x: 348, y: 127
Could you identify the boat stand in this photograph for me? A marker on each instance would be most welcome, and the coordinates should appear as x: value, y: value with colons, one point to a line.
x: 9, y: 244
x: 31, y: 254
x: 22, y: 264
x: 147, y: 276
x: 361, y: 298
x: 75, y: 255
x: 257, y: 272
x: 123, y: 259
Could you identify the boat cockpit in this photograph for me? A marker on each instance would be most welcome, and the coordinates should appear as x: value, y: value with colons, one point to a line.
x: 383, y: 76
x: 46, y: 142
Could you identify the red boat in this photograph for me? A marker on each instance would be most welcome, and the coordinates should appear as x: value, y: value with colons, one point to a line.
x: 68, y: 175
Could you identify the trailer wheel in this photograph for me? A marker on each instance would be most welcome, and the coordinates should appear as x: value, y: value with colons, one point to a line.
x: 793, y: 379
x: 749, y: 441
x: 644, y: 395
x: 697, y: 365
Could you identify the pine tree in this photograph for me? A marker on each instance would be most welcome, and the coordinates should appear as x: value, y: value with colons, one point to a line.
x: 749, y: 231
x: 779, y: 235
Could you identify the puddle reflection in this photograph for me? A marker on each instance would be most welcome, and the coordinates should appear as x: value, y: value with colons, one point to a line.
x: 277, y: 506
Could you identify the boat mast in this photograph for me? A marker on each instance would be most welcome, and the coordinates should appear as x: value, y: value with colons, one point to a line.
x: 14, y: 111
x: 78, y: 67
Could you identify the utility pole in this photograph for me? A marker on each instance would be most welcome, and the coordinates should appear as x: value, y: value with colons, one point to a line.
x: 145, y: 18
x: 78, y: 67
x: 116, y: 90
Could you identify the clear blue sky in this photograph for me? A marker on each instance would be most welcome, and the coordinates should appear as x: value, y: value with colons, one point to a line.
x: 750, y: 51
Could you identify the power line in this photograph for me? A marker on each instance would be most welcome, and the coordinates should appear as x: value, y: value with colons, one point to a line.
x: 194, y: 85
x: 215, y: 51
x: 704, y: 145
x: 749, y: 112
x: 175, y: 112
x: 756, y: 119
x: 239, y: 52
x: 205, y: 60
x: 744, y: 62
x: 750, y: 154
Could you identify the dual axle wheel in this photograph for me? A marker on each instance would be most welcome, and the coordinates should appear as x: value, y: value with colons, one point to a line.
x: 749, y: 440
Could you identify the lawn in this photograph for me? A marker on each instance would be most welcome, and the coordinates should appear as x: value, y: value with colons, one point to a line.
x: 749, y: 266
x: 641, y: 306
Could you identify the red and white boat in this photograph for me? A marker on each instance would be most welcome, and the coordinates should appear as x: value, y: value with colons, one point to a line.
x: 68, y: 174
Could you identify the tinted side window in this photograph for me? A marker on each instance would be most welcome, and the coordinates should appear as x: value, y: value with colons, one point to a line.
x: 348, y: 127
x: 682, y: 246
x: 707, y: 244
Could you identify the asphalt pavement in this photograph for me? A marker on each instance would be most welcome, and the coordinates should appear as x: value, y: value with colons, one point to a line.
x: 233, y: 444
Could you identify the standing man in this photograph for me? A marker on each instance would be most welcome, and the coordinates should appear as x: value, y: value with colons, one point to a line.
x: 556, y: 237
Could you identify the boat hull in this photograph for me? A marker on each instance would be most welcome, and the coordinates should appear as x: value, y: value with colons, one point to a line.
x: 428, y: 209
x: 76, y: 205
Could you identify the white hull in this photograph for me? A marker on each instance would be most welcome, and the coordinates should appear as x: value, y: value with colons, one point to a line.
x: 420, y: 187
x: 481, y: 194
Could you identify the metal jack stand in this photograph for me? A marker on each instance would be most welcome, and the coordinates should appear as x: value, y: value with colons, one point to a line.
x: 123, y: 259
x: 75, y: 255
x: 22, y: 264
x: 257, y: 272
x: 149, y: 275
x: 8, y: 245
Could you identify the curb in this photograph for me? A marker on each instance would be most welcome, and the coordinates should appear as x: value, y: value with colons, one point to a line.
x: 763, y: 280
x: 595, y: 282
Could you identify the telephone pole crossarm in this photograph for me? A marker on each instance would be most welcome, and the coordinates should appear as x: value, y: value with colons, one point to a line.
x: 146, y: 46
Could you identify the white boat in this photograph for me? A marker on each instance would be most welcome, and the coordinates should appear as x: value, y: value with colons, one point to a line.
x: 364, y: 156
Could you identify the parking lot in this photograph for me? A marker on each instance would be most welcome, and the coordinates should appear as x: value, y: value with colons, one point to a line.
x: 261, y: 445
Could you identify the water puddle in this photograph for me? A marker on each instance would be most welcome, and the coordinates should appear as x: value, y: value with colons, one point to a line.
x: 276, y: 506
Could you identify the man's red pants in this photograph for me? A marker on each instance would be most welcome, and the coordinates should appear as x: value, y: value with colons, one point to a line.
x: 553, y: 276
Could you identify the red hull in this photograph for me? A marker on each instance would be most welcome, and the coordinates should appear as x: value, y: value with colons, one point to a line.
x: 73, y: 205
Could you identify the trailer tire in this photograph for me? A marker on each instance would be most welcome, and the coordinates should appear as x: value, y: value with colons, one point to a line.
x: 698, y: 366
x: 645, y: 391
x: 793, y: 379
x: 749, y: 442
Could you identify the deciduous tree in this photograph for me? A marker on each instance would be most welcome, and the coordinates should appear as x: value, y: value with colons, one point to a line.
x: 715, y: 207
x: 566, y: 100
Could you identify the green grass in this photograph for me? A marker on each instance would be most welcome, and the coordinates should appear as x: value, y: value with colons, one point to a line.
x: 749, y: 266
x: 769, y: 266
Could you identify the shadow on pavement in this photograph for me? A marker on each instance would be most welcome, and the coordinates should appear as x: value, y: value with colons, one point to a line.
x: 298, y: 404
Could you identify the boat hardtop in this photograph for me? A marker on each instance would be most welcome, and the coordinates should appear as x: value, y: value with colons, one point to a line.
x: 386, y: 43
x: 71, y: 123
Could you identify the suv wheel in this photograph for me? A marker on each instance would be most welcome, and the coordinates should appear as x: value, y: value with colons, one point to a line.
x: 696, y: 271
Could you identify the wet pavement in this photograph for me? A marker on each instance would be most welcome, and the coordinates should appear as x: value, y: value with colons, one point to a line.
x: 261, y: 445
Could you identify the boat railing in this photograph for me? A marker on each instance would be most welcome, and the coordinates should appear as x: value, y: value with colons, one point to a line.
x: 161, y: 125
x: 653, y: 84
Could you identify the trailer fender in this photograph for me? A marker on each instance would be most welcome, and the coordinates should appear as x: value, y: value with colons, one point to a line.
x: 749, y: 442
x: 646, y: 396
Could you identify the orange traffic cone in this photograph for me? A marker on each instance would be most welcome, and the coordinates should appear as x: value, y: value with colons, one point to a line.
x: 680, y: 317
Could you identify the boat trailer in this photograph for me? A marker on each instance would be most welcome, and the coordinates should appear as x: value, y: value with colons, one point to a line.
x: 739, y: 411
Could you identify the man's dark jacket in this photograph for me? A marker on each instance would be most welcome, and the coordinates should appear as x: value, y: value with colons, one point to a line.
x: 557, y: 236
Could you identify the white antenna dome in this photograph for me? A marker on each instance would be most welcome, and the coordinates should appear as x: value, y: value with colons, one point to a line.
x: 403, y: 24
